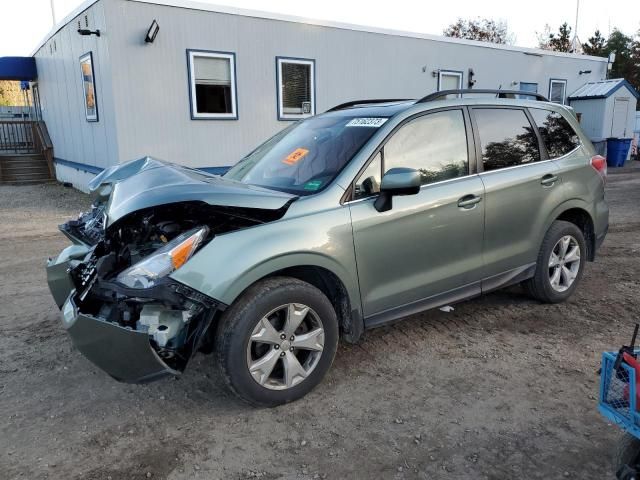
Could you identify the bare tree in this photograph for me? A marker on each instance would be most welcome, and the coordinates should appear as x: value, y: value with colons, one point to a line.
x: 559, y: 42
x: 481, y: 29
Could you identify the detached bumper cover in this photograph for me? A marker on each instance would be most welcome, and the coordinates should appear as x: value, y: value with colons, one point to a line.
x: 58, y: 279
x: 124, y: 354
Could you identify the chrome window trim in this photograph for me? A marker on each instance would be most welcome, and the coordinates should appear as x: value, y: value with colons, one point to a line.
x: 568, y: 153
x: 532, y: 163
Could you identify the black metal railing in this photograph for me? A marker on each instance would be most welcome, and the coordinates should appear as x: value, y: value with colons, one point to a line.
x: 17, y: 136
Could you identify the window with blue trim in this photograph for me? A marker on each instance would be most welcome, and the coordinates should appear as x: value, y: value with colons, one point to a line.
x: 296, y: 88
x: 212, y: 85
x: 528, y: 87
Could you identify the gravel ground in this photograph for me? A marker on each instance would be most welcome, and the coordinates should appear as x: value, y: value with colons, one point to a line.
x: 502, y: 387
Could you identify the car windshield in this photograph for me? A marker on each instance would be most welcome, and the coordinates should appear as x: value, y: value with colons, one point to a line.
x: 305, y: 157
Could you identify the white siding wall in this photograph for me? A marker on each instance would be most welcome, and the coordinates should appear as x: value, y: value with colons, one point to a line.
x: 62, y: 97
x: 152, y: 101
x: 622, y: 92
x: 142, y: 89
x: 592, y: 117
x: 597, y: 114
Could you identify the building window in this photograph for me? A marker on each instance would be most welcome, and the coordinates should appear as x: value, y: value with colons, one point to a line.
x: 212, y: 85
x: 296, y: 88
x: 528, y: 87
x: 89, y: 87
x: 449, y: 80
x: 557, y: 90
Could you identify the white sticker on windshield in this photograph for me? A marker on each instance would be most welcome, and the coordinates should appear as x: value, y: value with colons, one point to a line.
x: 367, y: 122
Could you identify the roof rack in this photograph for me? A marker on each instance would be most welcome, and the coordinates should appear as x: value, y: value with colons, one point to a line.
x: 353, y: 103
x: 498, y: 94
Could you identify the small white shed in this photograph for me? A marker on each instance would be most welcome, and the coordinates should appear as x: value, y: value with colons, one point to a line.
x: 606, y: 109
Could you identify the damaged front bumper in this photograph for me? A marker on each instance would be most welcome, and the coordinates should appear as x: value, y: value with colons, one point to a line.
x: 135, y: 336
x: 124, y: 353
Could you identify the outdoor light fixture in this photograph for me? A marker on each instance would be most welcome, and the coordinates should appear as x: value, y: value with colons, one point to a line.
x: 152, y: 32
x: 584, y: 71
x: 470, y: 76
x: 86, y: 32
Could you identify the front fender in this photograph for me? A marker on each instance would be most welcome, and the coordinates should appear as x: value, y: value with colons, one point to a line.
x: 232, y: 262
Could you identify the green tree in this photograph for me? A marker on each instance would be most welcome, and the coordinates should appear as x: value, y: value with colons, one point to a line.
x: 481, y: 29
x: 559, y: 42
x: 621, y: 45
x: 634, y: 77
x: 596, y: 45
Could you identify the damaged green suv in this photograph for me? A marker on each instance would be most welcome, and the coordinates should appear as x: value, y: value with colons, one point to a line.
x: 346, y: 221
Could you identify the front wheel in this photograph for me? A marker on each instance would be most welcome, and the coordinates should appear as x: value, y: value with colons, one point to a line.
x: 277, y: 341
x: 560, y: 263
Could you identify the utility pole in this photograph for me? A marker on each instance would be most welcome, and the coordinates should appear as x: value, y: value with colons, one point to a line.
x: 53, y: 13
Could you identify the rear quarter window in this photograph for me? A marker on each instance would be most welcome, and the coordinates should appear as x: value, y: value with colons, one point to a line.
x: 557, y: 134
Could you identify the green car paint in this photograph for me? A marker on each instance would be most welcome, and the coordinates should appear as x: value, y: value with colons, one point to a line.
x: 445, y: 242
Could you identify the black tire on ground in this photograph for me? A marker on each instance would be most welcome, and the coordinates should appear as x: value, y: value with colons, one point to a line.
x: 237, y: 324
x: 539, y: 286
x: 627, y: 453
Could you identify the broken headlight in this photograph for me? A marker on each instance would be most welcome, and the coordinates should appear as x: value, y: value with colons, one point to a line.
x: 163, y: 261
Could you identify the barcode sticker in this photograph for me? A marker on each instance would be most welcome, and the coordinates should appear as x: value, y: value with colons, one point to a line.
x: 367, y: 122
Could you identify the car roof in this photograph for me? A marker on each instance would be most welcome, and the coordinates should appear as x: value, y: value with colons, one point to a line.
x: 382, y: 109
x: 370, y: 108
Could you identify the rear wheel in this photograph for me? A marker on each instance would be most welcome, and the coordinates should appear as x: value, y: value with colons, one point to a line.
x: 560, y: 263
x: 277, y: 341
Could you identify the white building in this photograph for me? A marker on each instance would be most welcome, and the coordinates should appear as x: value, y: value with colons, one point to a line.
x: 607, y: 109
x: 217, y: 81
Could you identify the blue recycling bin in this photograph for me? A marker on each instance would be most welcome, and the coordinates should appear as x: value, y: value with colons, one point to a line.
x: 617, y: 149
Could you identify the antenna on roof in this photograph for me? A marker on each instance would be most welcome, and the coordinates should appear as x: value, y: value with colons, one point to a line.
x: 576, y: 46
x: 53, y: 13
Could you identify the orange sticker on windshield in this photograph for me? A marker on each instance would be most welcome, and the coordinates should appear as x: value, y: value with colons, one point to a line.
x: 295, y: 156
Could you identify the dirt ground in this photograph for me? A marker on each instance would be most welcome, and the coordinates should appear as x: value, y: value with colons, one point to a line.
x: 500, y: 388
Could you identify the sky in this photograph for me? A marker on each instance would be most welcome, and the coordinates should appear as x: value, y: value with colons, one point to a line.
x: 23, y: 23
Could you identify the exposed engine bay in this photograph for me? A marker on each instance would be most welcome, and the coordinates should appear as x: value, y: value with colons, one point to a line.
x: 123, y: 279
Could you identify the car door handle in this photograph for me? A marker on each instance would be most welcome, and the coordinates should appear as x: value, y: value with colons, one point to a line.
x: 469, y: 201
x: 549, y: 179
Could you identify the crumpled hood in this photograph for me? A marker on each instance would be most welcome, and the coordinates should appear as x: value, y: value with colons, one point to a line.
x: 149, y: 182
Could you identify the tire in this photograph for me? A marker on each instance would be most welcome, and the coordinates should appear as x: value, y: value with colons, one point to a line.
x: 627, y: 453
x: 247, y: 347
x: 540, y: 285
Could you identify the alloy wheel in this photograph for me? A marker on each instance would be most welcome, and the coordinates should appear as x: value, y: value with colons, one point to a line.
x: 564, y: 263
x: 285, y: 346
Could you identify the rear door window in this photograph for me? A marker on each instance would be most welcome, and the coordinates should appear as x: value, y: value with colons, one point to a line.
x: 507, y: 138
x: 435, y: 144
x: 558, y: 136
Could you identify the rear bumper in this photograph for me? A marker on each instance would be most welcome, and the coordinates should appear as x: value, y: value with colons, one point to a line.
x: 125, y: 354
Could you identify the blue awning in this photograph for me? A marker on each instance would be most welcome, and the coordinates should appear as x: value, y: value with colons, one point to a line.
x: 18, y: 68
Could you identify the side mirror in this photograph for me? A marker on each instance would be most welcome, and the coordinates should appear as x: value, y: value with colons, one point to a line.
x: 397, y: 181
